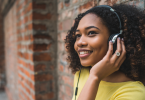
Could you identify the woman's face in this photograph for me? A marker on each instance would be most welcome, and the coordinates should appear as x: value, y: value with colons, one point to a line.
x: 91, y: 40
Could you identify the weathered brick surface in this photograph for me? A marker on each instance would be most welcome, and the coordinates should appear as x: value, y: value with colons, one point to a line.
x: 44, y: 48
x: 31, y: 36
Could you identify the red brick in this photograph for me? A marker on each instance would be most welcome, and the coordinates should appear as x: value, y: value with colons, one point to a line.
x: 31, y: 67
x: 67, y: 80
x: 38, y: 16
x: 30, y: 17
x: 42, y: 36
x: 61, y: 68
x: 39, y: 6
x: 29, y: 83
x: 43, y: 77
x: 60, y: 26
x: 29, y: 26
x: 42, y: 57
x: 85, y: 6
x: 41, y: 87
x: 39, y: 27
x: 40, y: 67
x: 21, y: 6
x: 41, y: 47
x: 68, y: 91
x: 45, y: 96
x: 29, y: 8
x: 26, y: 56
x: 19, y: 38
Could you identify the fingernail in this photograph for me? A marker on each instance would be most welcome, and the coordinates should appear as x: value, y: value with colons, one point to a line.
x: 119, y: 38
x: 111, y: 41
x: 122, y: 39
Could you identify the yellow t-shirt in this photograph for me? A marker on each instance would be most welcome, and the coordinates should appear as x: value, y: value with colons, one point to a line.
x: 130, y: 90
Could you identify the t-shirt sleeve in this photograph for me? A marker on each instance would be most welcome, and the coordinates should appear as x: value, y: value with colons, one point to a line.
x: 130, y: 92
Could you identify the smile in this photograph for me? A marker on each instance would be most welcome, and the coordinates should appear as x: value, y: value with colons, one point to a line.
x: 83, y: 54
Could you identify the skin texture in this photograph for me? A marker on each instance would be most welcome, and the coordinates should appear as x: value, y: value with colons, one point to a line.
x: 105, y: 64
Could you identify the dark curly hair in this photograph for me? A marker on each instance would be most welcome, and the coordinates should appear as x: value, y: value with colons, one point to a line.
x: 133, y: 26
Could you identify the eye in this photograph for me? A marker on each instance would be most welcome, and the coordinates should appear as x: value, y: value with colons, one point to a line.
x: 77, y: 35
x: 92, y: 32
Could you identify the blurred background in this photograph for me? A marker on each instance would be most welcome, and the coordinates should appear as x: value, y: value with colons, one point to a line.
x: 33, y: 62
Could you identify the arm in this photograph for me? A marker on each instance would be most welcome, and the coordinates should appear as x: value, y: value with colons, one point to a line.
x: 110, y: 63
x: 90, y: 89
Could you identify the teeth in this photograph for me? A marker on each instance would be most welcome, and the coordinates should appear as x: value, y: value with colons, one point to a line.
x: 85, y: 52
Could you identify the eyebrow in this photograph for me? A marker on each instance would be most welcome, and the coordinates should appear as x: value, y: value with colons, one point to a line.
x: 89, y: 28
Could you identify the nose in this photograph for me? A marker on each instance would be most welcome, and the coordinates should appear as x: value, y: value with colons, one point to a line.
x: 82, y: 42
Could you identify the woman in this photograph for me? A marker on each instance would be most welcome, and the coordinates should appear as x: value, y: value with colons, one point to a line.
x: 101, y: 71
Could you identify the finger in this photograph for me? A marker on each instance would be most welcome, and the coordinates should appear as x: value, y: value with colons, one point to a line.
x: 123, y: 55
x: 110, y: 50
x: 119, y: 49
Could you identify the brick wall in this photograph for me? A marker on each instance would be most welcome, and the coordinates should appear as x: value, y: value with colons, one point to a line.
x: 11, y: 52
x: 31, y: 46
x: 45, y: 48
x: 67, y: 11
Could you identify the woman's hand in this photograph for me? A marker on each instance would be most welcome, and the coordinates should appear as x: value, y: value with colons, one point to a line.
x: 110, y: 63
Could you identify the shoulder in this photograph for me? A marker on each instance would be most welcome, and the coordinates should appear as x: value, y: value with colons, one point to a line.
x: 84, y: 73
x: 132, y: 91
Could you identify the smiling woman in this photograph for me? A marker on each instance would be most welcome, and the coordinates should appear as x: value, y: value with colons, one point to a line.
x: 93, y: 35
x: 103, y: 70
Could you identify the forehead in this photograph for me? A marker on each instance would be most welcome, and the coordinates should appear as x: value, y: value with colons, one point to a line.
x: 90, y: 20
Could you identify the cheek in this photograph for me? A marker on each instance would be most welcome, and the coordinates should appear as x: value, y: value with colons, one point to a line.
x: 99, y: 45
x: 96, y: 43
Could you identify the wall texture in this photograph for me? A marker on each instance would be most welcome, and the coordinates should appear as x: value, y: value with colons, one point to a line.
x: 35, y: 54
x: 30, y: 46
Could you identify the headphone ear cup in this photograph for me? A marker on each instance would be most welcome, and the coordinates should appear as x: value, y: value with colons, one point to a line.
x: 115, y: 44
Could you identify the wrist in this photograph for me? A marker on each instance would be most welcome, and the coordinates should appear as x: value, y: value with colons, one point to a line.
x: 93, y: 77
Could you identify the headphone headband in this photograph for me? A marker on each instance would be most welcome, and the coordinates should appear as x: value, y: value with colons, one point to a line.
x: 112, y: 10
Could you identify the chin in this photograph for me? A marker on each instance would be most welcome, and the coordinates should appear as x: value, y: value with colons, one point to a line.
x: 85, y: 64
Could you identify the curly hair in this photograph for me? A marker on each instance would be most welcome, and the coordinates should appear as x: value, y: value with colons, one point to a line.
x: 133, y: 26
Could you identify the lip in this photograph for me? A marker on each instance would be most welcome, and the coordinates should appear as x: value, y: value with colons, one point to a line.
x: 84, y: 55
x: 83, y: 50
